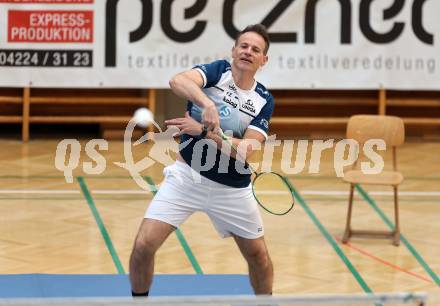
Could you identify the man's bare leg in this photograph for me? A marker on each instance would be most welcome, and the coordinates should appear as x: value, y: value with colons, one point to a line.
x: 259, y: 263
x: 151, y: 235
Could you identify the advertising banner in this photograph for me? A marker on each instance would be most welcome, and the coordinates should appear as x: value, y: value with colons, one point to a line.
x: 315, y: 44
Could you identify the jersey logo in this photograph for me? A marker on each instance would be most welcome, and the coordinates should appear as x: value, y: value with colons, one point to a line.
x: 249, y: 105
x: 263, y: 92
x: 228, y: 99
x: 224, y: 112
x: 264, y: 123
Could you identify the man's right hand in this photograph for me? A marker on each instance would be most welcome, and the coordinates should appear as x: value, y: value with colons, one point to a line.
x: 210, y: 118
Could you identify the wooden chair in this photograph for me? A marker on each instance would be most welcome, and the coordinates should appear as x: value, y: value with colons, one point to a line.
x: 362, y: 128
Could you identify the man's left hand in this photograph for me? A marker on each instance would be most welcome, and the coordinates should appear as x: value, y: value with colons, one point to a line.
x: 186, y: 125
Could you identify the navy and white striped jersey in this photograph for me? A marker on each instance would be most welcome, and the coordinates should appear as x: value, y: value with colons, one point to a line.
x: 238, y: 110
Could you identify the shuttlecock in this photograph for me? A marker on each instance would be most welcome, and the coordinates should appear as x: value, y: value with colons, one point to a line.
x: 143, y: 117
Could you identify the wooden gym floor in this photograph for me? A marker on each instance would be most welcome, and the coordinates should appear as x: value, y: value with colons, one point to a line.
x: 50, y: 226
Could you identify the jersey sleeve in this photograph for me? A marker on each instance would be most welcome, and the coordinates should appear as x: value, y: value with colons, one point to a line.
x: 261, y: 122
x: 212, y: 72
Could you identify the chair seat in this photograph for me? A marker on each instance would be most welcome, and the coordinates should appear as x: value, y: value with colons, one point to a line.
x: 383, y: 178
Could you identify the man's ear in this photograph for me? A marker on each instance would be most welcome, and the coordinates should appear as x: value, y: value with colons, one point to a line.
x: 232, y: 51
x: 266, y: 58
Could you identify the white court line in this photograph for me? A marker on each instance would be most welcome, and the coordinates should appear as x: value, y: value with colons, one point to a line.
x: 67, y: 191
x: 377, y: 193
x: 345, y: 193
x: 268, y: 192
x: 38, y: 191
x: 122, y: 191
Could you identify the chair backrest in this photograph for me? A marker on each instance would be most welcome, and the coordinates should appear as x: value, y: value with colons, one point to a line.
x: 364, y: 127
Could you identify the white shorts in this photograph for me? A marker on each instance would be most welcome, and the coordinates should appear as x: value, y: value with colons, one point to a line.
x: 184, y: 191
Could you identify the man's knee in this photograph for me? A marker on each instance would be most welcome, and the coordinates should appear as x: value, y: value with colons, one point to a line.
x: 259, y: 257
x: 143, y: 248
x: 150, y: 237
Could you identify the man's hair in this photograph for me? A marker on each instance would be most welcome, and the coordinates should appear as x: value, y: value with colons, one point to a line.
x: 260, y: 30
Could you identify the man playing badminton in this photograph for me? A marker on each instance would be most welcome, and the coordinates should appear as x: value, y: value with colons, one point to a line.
x: 222, y: 97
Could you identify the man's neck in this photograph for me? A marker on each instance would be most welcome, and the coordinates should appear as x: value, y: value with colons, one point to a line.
x: 244, y: 80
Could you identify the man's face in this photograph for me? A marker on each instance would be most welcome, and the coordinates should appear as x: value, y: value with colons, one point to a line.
x: 248, y: 53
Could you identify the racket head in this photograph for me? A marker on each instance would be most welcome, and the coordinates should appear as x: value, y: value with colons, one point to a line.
x: 273, y: 193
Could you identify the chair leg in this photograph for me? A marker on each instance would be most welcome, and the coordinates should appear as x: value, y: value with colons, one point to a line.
x: 347, y: 232
x: 396, y: 239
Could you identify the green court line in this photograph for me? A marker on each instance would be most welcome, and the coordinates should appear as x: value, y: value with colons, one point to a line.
x: 385, y: 219
x: 179, y: 233
x: 332, y: 242
x: 101, y: 225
